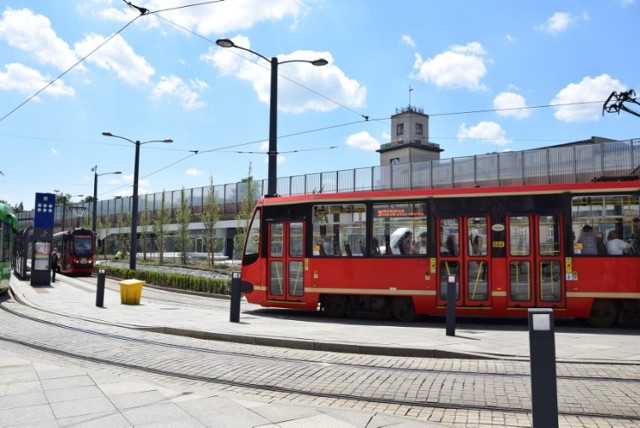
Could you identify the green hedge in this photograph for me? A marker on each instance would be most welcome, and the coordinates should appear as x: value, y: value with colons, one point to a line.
x: 171, y: 280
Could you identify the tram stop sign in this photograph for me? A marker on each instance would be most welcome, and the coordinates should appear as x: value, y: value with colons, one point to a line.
x: 45, y: 210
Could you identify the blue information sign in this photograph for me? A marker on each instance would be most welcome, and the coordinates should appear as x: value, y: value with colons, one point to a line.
x: 45, y: 209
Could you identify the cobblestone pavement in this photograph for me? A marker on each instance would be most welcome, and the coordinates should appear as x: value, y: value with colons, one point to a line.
x: 451, y: 391
x: 598, y: 372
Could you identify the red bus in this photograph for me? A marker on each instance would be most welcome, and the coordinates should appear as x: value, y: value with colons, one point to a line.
x: 77, y: 249
x: 391, y: 253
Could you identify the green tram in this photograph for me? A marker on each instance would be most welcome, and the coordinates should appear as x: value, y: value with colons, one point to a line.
x: 8, y: 228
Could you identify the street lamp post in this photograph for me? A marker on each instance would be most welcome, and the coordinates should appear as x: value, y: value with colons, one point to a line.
x: 134, y: 205
x: 272, y: 184
x: 95, y: 194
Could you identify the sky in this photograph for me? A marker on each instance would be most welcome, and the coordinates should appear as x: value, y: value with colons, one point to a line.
x: 493, y: 76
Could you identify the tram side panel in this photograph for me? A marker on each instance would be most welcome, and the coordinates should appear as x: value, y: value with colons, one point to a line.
x: 603, y: 280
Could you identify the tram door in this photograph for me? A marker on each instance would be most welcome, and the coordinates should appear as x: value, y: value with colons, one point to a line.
x: 534, y: 260
x: 463, y: 255
x: 286, y: 260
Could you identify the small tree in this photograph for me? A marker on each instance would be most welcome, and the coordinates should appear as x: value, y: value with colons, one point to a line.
x: 183, y: 218
x: 106, y: 225
x: 18, y: 208
x: 247, y: 202
x: 100, y: 226
x: 160, y: 224
x: 143, y: 221
x: 210, y: 216
x: 122, y: 240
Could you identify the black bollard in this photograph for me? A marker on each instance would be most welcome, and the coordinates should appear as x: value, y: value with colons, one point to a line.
x: 451, y: 305
x: 542, y: 352
x: 100, y: 289
x: 235, y: 297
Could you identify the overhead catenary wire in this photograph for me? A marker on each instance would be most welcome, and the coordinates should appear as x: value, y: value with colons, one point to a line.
x: 143, y: 12
x: 80, y: 61
x: 366, y: 118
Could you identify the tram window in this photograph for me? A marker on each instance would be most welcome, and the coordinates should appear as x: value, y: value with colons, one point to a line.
x: 477, y: 233
x: 296, y: 277
x: 519, y: 236
x: 520, y: 281
x: 449, y: 237
x: 84, y: 247
x: 276, y: 232
x: 549, y: 232
x: 550, y: 286
x: 253, y: 236
x: 276, y: 278
x: 339, y: 229
x: 604, y: 213
x: 477, y: 288
x: 296, y: 240
x: 4, y: 241
x: 399, y: 229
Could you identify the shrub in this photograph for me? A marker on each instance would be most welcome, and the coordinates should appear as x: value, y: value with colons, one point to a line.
x: 171, y: 280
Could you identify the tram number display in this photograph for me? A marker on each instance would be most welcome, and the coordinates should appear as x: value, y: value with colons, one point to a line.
x: 498, y: 244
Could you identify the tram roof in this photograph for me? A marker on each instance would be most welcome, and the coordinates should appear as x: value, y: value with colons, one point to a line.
x: 470, y: 192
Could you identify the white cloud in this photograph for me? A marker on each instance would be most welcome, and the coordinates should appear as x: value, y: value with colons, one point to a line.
x: 234, y: 15
x: 363, y: 141
x: 510, y: 38
x: 118, y: 57
x: 143, y: 186
x: 218, y: 18
x: 486, y: 131
x: 511, y: 104
x: 328, y: 80
x: 459, y: 67
x: 54, y: 151
x: 29, y: 81
x: 406, y: 39
x: 33, y: 34
x: 193, y: 172
x: 111, y: 181
x: 592, y: 90
x: 561, y: 21
x: 174, y: 86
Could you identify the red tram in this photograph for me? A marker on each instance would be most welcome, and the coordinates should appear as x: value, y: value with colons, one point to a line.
x: 387, y: 253
x: 77, y: 249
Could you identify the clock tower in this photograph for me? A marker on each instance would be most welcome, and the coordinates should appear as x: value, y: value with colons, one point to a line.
x: 409, y: 139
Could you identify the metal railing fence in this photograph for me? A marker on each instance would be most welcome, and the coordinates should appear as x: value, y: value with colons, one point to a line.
x: 553, y: 165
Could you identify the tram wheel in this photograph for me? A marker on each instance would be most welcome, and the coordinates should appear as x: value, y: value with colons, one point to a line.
x: 334, y: 306
x: 403, y: 309
x: 603, y: 313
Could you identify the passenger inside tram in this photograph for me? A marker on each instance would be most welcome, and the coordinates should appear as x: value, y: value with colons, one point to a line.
x: 451, y: 246
x: 422, y: 244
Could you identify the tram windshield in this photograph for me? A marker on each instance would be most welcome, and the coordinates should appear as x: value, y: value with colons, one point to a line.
x: 252, y: 243
x: 84, y: 247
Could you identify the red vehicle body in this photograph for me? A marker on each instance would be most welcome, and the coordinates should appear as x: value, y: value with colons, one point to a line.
x: 77, y: 250
x: 508, y: 249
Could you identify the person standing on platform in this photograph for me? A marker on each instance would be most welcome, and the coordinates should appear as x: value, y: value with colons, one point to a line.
x: 55, y: 258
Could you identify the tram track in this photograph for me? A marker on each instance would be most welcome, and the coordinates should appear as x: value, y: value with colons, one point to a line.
x: 433, y: 383
x: 324, y: 358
